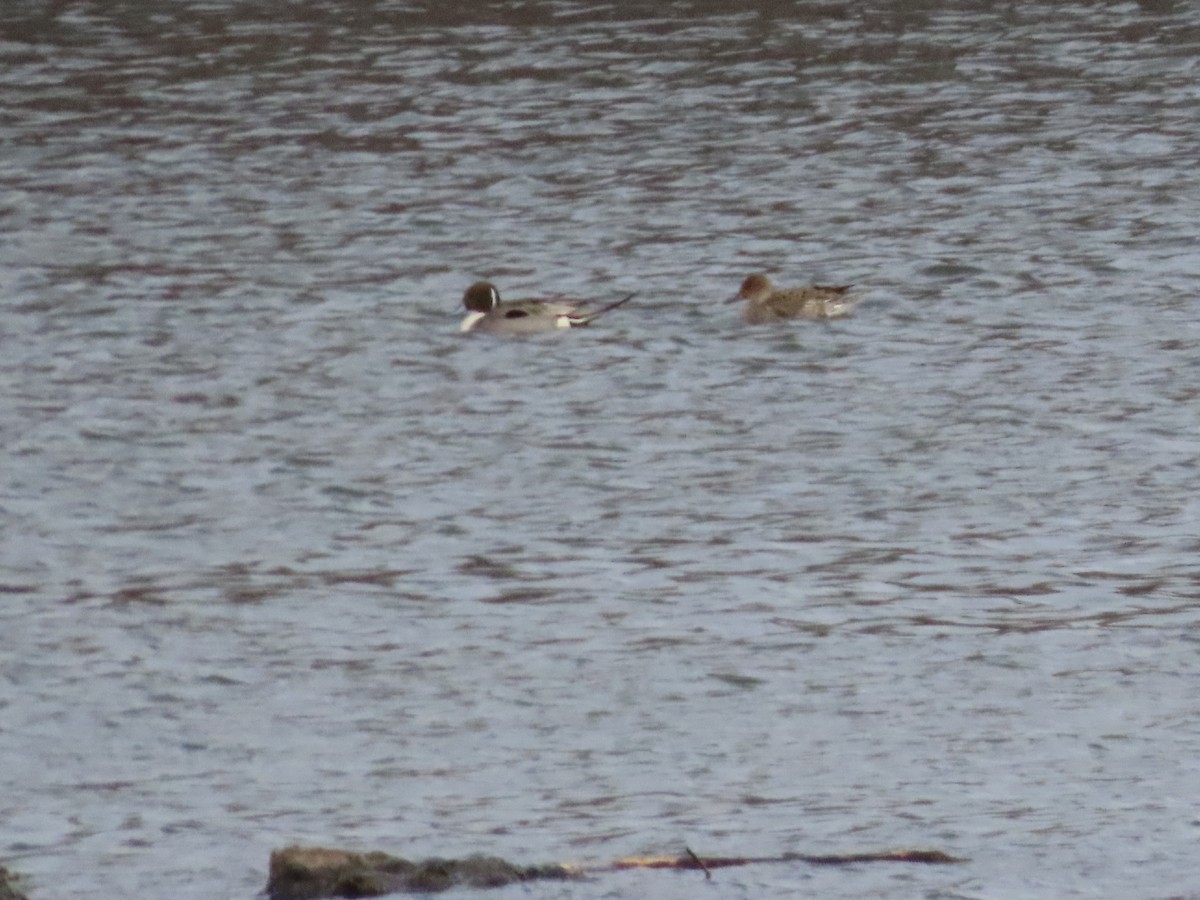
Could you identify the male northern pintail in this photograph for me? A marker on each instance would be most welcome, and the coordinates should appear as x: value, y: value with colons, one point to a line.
x: 489, y: 313
x: 765, y: 303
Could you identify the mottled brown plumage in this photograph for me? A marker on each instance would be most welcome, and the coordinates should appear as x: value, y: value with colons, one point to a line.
x: 765, y: 303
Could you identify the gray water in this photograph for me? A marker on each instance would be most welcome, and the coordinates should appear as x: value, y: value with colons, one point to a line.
x: 285, y: 558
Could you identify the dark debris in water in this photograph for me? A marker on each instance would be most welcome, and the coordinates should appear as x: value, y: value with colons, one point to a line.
x: 10, y: 885
x: 306, y: 873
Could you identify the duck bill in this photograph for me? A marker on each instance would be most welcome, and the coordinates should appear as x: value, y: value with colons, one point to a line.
x: 734, y: 299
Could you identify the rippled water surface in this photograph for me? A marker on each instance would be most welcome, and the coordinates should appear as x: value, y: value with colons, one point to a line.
x: 285, y: 558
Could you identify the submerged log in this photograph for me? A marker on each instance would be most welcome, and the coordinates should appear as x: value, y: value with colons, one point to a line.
x: 9, y: 882
x: 692, y: 861
x: 309, y: 873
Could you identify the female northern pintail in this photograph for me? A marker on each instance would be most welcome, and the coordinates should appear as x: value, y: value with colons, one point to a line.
x: 816, y: 301
x: 489, y: 313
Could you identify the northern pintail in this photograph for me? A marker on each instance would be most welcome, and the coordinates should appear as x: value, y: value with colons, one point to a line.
x: 764, y: 303
x: 489, y: 313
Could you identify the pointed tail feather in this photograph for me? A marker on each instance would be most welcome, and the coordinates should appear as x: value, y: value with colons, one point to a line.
x: 591, y: 317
